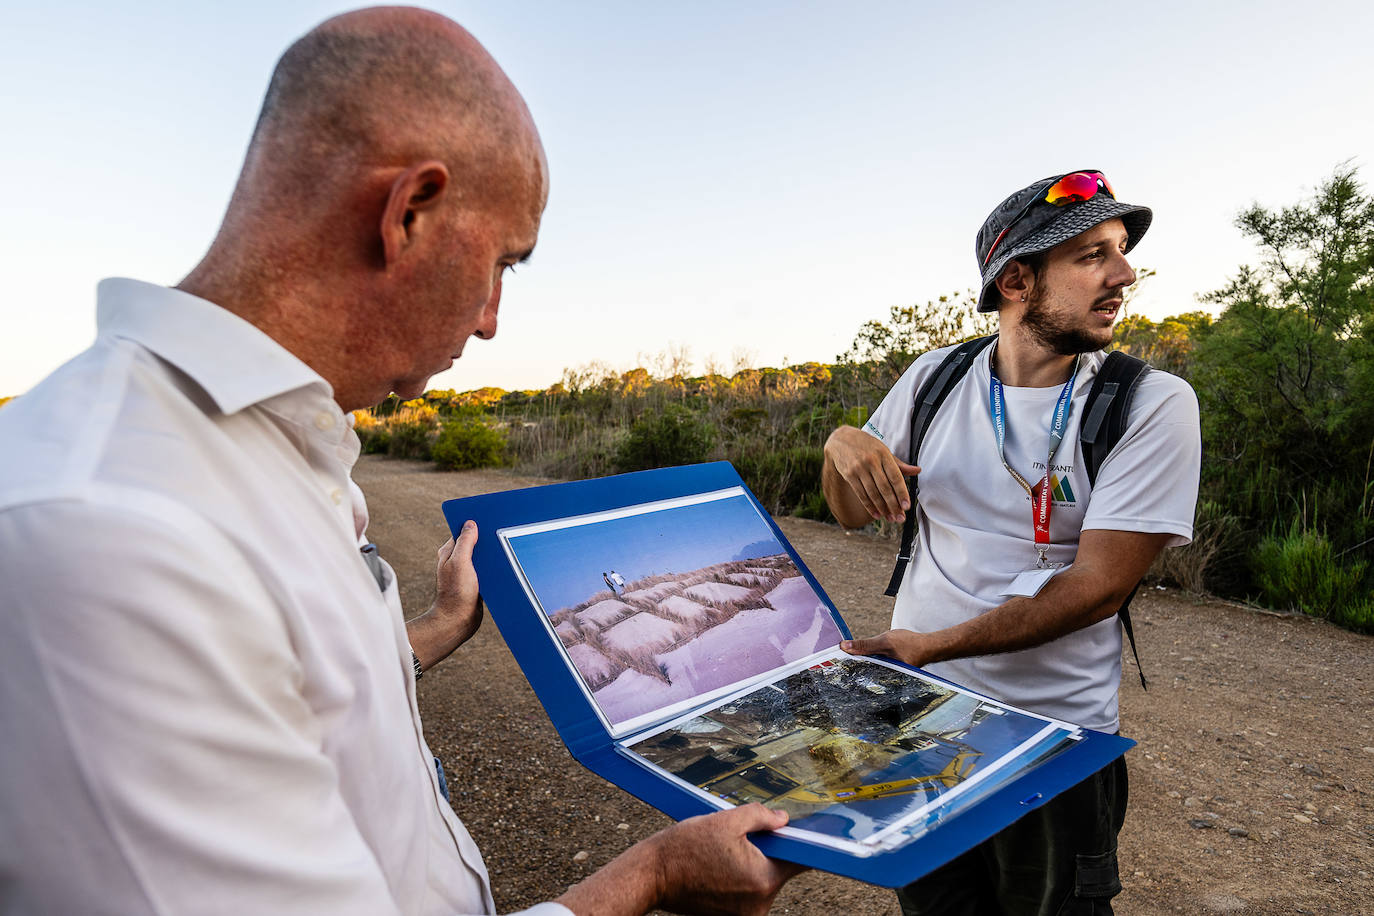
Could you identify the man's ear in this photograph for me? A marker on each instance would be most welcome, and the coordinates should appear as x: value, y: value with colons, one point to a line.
x: 1015, y: 282
x: 411, y: 206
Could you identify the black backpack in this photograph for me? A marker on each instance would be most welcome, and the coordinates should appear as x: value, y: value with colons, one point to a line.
x: 1104, y: 423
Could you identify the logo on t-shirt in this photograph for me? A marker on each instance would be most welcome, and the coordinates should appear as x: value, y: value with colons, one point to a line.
x: 875, y: 431
x: 1060, y: 490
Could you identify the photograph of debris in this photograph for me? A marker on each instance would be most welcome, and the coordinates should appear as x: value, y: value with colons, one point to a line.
x: 852, y: 748
x: 660, y: 607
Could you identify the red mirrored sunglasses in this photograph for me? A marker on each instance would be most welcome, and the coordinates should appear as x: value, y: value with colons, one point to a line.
x: 1072, y: 188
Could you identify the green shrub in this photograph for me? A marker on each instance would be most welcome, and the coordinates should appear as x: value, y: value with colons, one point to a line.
x: 814, y: 506
x: 410, y: 440
x: 745, y: 419
x: 815, y: 426
x: 1357, y: 615
x: 785, y: 480
x: 1216, y: 536
x: 670, y: 437
x: 376, y: 440
x: 581, y: 462
x: 468, y: 443
x: 1296, y: 570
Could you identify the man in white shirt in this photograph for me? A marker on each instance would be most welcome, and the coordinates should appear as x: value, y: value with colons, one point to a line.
x: 208, y: 701
x: 1021, y: 563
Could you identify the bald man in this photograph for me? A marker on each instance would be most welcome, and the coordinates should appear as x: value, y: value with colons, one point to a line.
x: 205, y: 680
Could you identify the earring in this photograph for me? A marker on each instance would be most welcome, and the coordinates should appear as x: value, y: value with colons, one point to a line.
x: 1023, y: 298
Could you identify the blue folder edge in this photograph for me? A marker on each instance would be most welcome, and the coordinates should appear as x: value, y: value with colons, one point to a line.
x: 592, y: 746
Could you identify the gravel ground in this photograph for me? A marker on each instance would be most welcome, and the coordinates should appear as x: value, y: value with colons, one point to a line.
x: 1250, y: 786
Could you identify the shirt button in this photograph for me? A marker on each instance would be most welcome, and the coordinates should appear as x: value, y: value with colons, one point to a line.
x: 324, y: 421
x: 337, y: 495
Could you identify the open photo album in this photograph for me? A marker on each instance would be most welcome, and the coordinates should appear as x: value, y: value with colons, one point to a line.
x: 684, y: 652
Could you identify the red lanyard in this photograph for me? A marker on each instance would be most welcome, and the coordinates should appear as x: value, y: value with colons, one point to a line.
x: 1041, y: 504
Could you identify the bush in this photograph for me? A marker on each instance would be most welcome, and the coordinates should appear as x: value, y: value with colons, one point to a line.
x: 1358, y: 615
x: 1297, y: 571
x: 375, y: 441
x: 745, y: 419
x: 372, y: 435
x: 785, y: 480
x: 815, y: 426
x: 1215, y: 536
x: 468, y: 443
x: 410, y: 440
x: 674, y: 436
x: 814, y: 506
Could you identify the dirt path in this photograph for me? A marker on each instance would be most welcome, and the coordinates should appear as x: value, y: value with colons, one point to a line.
x: 1252, y: 788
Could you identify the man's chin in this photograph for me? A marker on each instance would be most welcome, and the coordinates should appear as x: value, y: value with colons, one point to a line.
x: 409, y: 389
x: 1072, y: 343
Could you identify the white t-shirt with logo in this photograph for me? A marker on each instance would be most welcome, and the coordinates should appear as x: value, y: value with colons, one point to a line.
x: 975, y: 526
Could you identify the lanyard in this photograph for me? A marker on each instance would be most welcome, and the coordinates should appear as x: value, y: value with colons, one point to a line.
x: 1040, y: 495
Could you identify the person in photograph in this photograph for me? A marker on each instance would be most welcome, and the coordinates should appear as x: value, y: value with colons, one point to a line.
x: 1020, y: 565
x: 205, y: 679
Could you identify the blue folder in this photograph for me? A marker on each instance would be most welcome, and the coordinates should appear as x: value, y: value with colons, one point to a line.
x: 589, y: 740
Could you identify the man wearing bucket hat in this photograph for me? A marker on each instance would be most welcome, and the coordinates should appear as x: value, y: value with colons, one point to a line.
x: 1021, y: 558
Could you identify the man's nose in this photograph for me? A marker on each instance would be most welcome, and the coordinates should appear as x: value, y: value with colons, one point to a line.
x: 486, y: 327
x: 1124, y: 275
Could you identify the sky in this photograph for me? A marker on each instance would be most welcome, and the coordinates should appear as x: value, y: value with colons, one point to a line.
x: 747, y: 183
x: 564, y: 565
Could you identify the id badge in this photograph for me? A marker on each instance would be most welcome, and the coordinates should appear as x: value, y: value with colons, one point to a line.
x: 1029, y: 583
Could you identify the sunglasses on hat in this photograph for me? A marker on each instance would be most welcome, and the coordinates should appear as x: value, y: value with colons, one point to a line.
x: 1074, y: 187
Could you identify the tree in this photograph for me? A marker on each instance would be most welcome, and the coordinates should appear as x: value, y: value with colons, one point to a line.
x: 1166, y: 344
x: 1280, y: 365
x: 1285, y: 376
x: 882, y: 351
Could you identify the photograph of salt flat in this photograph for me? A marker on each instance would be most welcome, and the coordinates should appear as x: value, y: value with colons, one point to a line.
x: 709, y: 598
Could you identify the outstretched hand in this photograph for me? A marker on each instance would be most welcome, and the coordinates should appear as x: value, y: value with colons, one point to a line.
x: 875, y: 476
x: 904, y: 645
x: 457, y: 610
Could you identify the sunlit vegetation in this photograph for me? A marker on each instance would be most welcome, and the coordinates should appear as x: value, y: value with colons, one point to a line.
x: 1284, y: 376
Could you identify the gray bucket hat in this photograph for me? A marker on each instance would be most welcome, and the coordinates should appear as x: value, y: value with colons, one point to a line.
x: 1025, y: 223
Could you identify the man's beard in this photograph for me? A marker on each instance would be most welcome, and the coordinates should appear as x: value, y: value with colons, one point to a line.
x: 1052, y: 332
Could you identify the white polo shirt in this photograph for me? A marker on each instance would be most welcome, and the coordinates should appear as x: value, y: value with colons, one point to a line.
x: 208, y: 704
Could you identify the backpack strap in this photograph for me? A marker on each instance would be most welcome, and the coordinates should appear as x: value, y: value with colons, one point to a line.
x: 1107, y: 409
x: 1105, y: 416
x: 932, y: 394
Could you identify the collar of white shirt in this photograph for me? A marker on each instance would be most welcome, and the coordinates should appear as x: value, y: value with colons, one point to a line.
x: 235, y: 363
